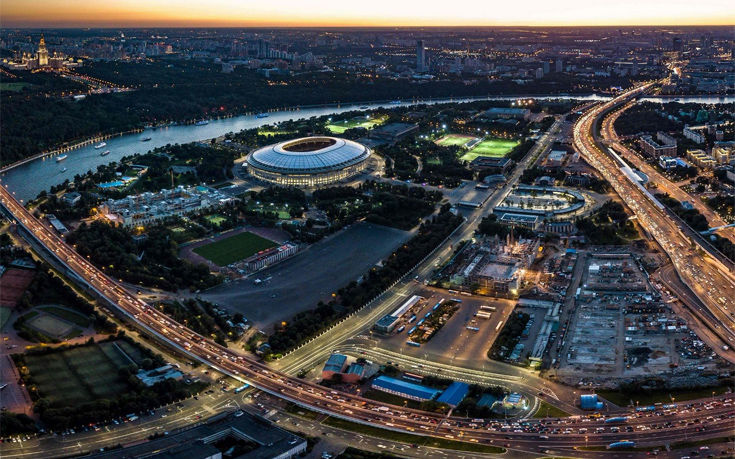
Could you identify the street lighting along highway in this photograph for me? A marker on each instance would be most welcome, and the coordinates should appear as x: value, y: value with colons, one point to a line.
x: 710, y: 280
x: 312, y: 396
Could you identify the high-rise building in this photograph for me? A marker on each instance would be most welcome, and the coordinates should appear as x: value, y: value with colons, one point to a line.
x: 420, y: 56
x: 559, y: 66
x: 42, y: 53
x: 546, y: 67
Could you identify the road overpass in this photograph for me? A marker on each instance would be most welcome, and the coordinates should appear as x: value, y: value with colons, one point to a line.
x: 312, y: 396
x: 709, y: 279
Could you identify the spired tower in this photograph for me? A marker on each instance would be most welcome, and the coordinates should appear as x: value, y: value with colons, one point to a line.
x: 42, y: 53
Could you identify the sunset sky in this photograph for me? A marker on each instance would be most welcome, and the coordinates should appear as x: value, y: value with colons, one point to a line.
x: 131, y: 13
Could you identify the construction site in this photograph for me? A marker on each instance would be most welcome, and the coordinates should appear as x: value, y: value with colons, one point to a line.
x: 621, y: 329
x: 493, y: 267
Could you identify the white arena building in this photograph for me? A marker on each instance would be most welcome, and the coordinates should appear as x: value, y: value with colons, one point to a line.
x: 308, y: 161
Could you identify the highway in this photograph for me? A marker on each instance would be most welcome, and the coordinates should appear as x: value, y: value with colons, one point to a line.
x: 663, y: 184
x: 339, y: 404
x: 709, y: 279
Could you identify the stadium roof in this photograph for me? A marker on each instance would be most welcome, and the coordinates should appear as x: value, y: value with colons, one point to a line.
x: 411, y: 390
x: 454, y: 394
x: 309, y: 155
x: 335, y: 362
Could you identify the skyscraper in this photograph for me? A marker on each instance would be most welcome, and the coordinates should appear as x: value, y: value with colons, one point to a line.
x: 42, y: 53
x: 420, y: 56
x: 559, y: 66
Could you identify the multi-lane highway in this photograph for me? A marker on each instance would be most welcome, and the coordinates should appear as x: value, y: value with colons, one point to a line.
x: 324, y: 400
x: 708, y: 278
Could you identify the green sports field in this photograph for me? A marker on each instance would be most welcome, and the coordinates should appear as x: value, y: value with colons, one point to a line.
x: 215, y: 219
x: 495, y: 148
x: 451, y: 140
x: 234, y: 248
x: 76, y: 375
x: 340, y: 127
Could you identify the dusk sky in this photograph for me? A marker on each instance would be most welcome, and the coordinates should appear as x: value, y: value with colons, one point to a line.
x: 121, y: 13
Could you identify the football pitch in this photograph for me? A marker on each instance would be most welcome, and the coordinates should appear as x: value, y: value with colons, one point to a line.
x: 451, y: 140
x: 494, y: 148
x: 234, y: 248
x: 340, y: 127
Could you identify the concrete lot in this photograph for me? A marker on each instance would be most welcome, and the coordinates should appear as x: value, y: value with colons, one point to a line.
x: 454, y: 341
x: 299, y: 283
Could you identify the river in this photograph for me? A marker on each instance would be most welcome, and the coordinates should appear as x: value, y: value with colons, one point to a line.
x: 27, y: 180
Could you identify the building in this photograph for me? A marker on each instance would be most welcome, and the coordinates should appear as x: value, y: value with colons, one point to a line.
x: 590, y: 402
x: 665, y: 139
x: 71, y: 198
x: 531, y: 222
x: 146, y: 208
x: 514, y: 401
x: 507, y: 113
x: 701, y: 159
x: 392, y: 132
x: 404, y: 389
x: 555, y: 159
x: 654, y: 149
x: 42, y: 53
x: 334, y: 365
x: 695, y: 134
x: 56, y: 223
x: 454, y: 394
x: 491, y: 164
x: 269, y: 256
x: 667, y: 162
x: 421, y: 66
x: 200, y: 441
x: 159, y: 374
x: 387, y: 323
x: 559, y: 66
x: 723, y: 155
x: 308, y: 161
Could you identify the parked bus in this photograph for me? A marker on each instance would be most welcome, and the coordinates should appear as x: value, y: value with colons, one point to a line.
x: 485, y: 307
x: 413, y: 343
x: 242, y: 388
x: 401, y: 328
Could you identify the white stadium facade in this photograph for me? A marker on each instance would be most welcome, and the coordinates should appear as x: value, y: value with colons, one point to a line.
x: 308, y: 161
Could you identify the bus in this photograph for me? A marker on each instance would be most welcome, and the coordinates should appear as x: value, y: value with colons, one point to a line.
x: 413, y: 318
x: 616, y: 420
x: 242, y: 388
x: 469, y: 204
x: 401, y: 328
x: 485, y: 307
x: 473, y: 329
x: 621, y: 444
x: 413, y: 343
x: 412, y: 330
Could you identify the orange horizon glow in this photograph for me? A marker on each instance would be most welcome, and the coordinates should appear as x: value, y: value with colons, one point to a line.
x: 373, y: 13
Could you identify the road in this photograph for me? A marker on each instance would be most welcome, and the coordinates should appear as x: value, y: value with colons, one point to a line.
x: 709, y: 279
x: 319, y: 398
x: 663, y: 184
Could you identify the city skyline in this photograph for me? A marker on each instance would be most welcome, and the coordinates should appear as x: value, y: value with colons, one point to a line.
x: 225, y: 13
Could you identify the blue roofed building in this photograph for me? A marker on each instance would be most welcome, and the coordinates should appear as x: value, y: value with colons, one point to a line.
x: 404, y: 389
x: 454, y: 394
x: 590, y: 402
x: 334, y: 364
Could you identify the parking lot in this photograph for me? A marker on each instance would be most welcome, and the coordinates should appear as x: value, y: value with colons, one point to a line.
x: 297, y: 284
x: 454, y: 341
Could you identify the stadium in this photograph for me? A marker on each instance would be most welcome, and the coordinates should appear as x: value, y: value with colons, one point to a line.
x: 308, y: 161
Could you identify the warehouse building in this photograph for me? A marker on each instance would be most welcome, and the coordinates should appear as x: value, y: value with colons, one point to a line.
x: 404, y: 389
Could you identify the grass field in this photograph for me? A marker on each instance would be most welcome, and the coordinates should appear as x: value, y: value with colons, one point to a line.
x: 50, y: 325
x: 76, y: 375
x: 340, y: 127
x: 450, y: 140
x: 548, y: 411
x: 4, y: 315
x: 215, y: 219
x: 234, y: 248
x: 67, y: 315
x: 495, y: 148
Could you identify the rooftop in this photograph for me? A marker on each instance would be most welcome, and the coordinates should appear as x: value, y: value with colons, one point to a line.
x: 404, y: 387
